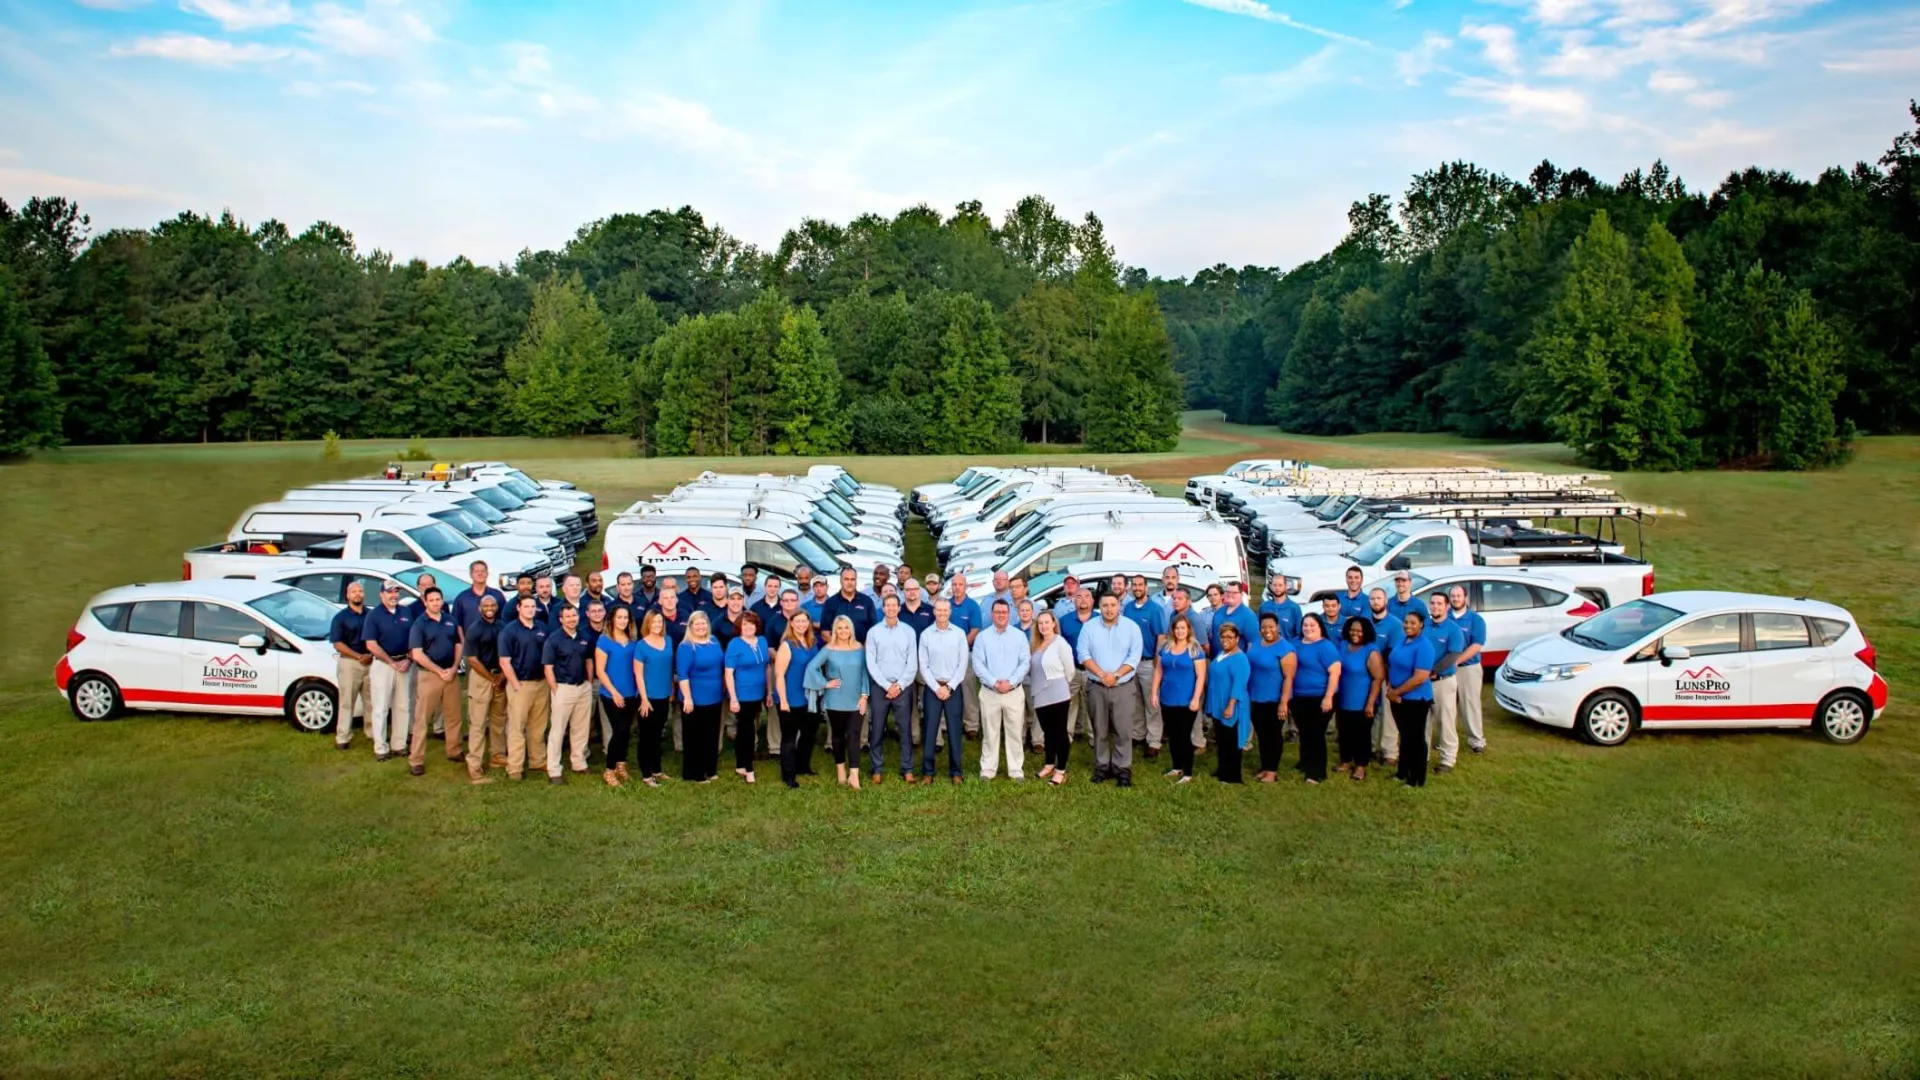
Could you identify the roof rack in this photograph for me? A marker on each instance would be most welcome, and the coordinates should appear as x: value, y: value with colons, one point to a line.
x: 439, y: 471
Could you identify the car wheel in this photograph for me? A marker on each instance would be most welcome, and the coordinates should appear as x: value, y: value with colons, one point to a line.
x: 92, y: 696
x: 1606, y: 719
x: 1844, y: 717
x: 312, y: 707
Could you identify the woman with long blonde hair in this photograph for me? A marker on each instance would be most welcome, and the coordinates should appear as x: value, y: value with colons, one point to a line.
x: 838, y: 674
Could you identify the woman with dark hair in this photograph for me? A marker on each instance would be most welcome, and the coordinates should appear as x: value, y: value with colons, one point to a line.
x: 1410, y: 694
x: 1180, y: 686
x: 1050, y: 688
x: 653, y: 660
x: 1271, y: 665
x: 1316, y: 677
x: 618, y: 675
x: 799, y: 724
x: 747, y: 662
x: 1361, y: 670
x: 1227, y: 703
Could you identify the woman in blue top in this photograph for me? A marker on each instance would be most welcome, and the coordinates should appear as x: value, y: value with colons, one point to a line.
x: 1270, y: 667
x: 1179, y: 685
x: 1361, y: 670
x: 839, y: 675
x: 615, y: 671
x: 653, y: 668
x: 1227, y: 703
x: 1410, y: 693
x: 1316, y: 678
x: 701, y: 665
x: 799, y: 723
x: 747, y: 662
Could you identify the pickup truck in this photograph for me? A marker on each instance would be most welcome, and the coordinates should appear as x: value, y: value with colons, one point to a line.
x: 434, y: 544
x: 1597, y: 568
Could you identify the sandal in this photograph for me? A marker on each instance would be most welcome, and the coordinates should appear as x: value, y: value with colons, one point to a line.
x: 1359, y: 774
x: 1058, y: 779
x: 613, y: 779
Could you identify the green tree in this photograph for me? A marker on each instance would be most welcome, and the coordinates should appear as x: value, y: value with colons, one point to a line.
x: 29, y: 392
x: 1048, y: 357
x: 808, y: 418
x: 1770, y: 372
x: 562, y: 376
x: 1134, y: 402
x: 977, y: 399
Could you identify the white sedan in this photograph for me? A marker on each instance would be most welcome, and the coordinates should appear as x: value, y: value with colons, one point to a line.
x: 1517, y: 605
x: 228, y: 646
x: 1685, y: 660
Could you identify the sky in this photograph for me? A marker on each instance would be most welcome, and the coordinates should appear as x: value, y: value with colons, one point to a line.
x: 1201, y: 131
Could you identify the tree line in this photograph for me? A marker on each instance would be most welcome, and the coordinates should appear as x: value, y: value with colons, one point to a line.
x: 917, y: 333
x: 1645, y: 325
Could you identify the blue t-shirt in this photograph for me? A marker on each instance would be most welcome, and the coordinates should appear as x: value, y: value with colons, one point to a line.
x: 1265, y: 680
x: 1474, y: 629
x: 656, y: 668
x: 617, y: 661
x: 1288, y: 613
x: 1406, y: 658
x: 1150, y: 617
x: 702, y: 666
x: 749, y: 666
x: 1446, y: 638
x: 798, y: 657
x: 1177, y: 675
x: 1355, y: 680
x: 1312, y: 662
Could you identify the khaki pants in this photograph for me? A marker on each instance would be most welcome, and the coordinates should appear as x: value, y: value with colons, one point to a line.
x: 435, y: 699
x: 1002, y: 718
x: 1443, y: 723
x: 1147, y: 724
x: 391, y: 706
x: 1386, y: 734
x: 528, y: 706
x: 486, y: 722
x: 572, y: 720
x: 1466, y: 684
x: 351, y: 675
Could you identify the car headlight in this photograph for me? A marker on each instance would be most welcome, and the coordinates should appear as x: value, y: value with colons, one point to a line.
x: 1561, y: 672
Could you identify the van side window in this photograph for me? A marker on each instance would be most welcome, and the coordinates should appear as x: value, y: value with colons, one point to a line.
x: 1062, y: 557
x: 773, y: 556
x: 1776, y: 630
x: 158, y: 617
x: 375, y: 544
x: 1430, y: 551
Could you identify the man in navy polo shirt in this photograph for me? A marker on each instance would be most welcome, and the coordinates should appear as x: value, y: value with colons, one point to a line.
x: 567, y: 657
x: 852, y: 603
x: 647, y: 592
x: 544, y: 601
x: 486, y: 692
x: 348, y: 636
x: 466, y: 606
x: 434, y: 644
x: 522, y: 645
x: 1387, y: 632
x: 388, y: 627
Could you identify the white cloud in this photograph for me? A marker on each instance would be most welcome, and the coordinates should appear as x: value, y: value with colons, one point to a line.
x: 194, y: 49
x: 532, y: 74
x: 380, y: 28
x: 1423, y: 59
x: 1254, y: 9
x: 323, y: 89
x: 1271, y: 86
x: 1902, y: 61
x: 35, y: 181
x: 1561, y: 12
x: 1666, y: 81
x: 690, y: 125
x: 1559, y: 105
x: 1497, y: 44
x: 241, y: 16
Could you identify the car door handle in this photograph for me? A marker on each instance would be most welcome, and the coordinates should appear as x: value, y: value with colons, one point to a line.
x: 1814, y: 660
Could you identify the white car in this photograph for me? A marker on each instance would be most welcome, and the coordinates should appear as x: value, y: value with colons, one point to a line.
x: 1685, y: 660
x: 223, y: 646
x: 1517, y: 605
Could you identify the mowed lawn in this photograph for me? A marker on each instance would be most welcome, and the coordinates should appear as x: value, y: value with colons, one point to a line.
x: 209, y: 897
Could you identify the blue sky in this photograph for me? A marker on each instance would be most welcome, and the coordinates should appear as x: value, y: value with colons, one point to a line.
x: 1201, y: 131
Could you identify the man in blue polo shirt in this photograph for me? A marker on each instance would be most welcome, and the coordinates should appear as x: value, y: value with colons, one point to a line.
x: 545, y: 602
x: 814, y: 601
x: 1448, y: 643
x: 1234, y: 610
x: 1078, y: 614
x: 1281, y: 605
x: 1387, y: 633
x: 852, y: 603
x: 434, y: 645
x: 1403, y: 600
x: 523, y: 644
x: 348, y: 636
x: 486, y: 692
x: 1151, y: 618
x: 387, y: 629
x: 1353, y: 602
x: 966, y: 615
x: 1468, y: 680
x: 466, y: 606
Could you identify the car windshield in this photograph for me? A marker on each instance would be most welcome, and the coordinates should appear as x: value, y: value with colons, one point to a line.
x: 463, y: 521
x: 807, y: 551
x: 842, y: 532
x: 1336, y: 507
x: 483, y: 510
x: 1001, y: 501
x: 1376, y: 549
x: 835, y: 511
x: 500, y: 498
x: 1043, y: 584
x: 826, y: 540
x: 519, y: 487
x: 440, y: 541
x: 1022, y: 555
x: 302, y: 613
x: 1617, y: 628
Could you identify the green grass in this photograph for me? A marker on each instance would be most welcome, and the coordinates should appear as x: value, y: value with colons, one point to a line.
x: 219, y: 897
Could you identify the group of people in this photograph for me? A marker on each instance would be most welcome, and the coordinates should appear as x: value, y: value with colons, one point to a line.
x: 771, y: 662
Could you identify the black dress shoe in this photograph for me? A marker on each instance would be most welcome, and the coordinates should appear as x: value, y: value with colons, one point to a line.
x: 561, y: 779
x: 1124, y: 781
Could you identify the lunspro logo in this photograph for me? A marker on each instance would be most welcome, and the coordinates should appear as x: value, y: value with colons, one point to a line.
x: 678, y: 547
x: 1181, y: 550
x: 1702, y: 683
x: 228, y: 671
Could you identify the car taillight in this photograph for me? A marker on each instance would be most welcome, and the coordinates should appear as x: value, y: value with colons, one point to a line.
x: 75, y: 637
x: 1868, y: 656
x: 186, y: 570
x: 1646, y: 583
x: 1587, y: 610
x: 605, y: 563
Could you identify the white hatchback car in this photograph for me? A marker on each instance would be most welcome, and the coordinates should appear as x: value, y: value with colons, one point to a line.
x: 1685, y: 660
x: 223, y: 646
x: 1517, y: 604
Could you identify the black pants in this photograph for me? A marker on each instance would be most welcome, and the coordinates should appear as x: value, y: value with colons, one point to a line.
x: 846, y: 725
x: 1178, y: 721
x: 798, y: 729
x: 1269, y: 733
x: 746, y: 734
x: 649, y: 729
x: 621, y: 718
x: 1355, y: 729
x: 1410, y: 718
x: 1053, y: 725
x: 1312, y: 722
x: 1228, y: 740
x: 700, y: 743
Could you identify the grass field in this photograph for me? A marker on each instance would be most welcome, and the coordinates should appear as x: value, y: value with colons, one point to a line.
x: 209, y: 897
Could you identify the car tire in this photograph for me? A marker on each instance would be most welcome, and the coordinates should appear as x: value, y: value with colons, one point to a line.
x: 313, y: 707
x: 94, y: 697
x: 1843, y: 717
x: 1608, y: 718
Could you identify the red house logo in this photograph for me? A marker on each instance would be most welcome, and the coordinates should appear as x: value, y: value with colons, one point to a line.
x: 228, y: 671
x: 1181, y: 550
x: 678, y: 547
x: 1702, y: 684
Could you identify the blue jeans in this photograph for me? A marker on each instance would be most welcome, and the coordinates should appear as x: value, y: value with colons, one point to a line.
x: 932, y: 710
x: 879, y: 707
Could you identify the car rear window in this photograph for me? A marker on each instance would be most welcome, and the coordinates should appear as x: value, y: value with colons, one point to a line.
x: 111, y: 616
x: 159, y: 617
x: 1829, y: 630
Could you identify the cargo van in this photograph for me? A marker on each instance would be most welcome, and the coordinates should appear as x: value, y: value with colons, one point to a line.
x: 842, y: 552
x: 551, y: 531
x: 666, y: 541
x: 1109, y: 510
x: 1211, y: 543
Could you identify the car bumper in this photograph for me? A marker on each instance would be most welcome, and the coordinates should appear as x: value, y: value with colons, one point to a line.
x: 1551, y: 703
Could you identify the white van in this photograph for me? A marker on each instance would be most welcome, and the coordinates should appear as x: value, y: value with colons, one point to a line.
x: 487, y: 491
x: 552, y: 531
x: 1211, y: 543
x: 843, y: 552
x: 303, y: 523
x: 665, y: 541
x: 1017, y: 500
x: 880, y: 527
x: 1053, y: 516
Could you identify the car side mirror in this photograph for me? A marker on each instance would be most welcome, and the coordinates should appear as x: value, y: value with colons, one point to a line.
x: 1670, y: 653
x: 253, y: 641
x: 1293, y: 586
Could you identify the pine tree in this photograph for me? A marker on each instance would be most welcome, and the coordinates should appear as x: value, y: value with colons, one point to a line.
x: 807, y: 413
x: 977, y: 399
x: 1134, y: 403
x: 562, y: 375
x: 1770, y: 369
x: 29, y: 392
